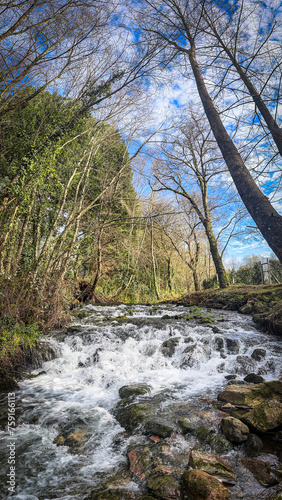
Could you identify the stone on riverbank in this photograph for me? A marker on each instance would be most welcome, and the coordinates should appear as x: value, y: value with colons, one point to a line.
x: 234, y: 430
x: 199, y: 485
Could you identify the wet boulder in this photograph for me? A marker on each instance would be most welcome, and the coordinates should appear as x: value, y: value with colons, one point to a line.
x: 258, y: 354
x: 253, y: 445
x: 199, y: 485
x: 203, y: 433
x: 127, y: 391
x: 168, y: 346
x: 157, y: 427
x: 253, y: 378
x: 164, y: 486
x: 260, y: 471
x: 234, y: 430
x: 147, y: 417
x: 133, y: 416
x: 265, y: 417
x: 213, y: 465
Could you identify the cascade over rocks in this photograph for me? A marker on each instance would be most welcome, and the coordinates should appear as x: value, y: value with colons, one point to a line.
x: 176, y: 433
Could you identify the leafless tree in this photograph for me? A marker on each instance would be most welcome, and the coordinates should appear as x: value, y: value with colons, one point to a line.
x: 179, y: 28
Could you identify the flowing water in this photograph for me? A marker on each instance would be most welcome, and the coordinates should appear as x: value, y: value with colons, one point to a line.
x: 80, y: 388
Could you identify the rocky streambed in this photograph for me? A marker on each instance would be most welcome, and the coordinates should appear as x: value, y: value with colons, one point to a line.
x: 166, y: 402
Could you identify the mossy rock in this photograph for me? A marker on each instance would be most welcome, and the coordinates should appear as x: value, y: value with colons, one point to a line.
x: 202, y: 433
x: 252, y: 394
x: 139, y: 461
x: 165, y: 487
x: 199, y: 485
x: 253, y: 378
x: 234, y: 430
x: 219, y: 444
x: 134, y: 390
x: 158, y: 428
x: 77, y: 438
x: 187, y: 425
x: 246, y: 308
x: 81, y: 313
x: 213, y: 465
x: 131, y: 417
x: 265, y: 417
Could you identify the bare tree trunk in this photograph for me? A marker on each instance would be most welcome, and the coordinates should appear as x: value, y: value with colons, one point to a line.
x: 268, y: 220
x: 99, y: 261
x: 154, y: 274
x: 217, y: 260
x: 169, y: 280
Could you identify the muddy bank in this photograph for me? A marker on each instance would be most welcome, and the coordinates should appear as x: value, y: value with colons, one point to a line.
x: 263, y: 302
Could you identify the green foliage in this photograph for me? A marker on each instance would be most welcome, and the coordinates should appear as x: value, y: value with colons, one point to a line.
x: 15, y: 339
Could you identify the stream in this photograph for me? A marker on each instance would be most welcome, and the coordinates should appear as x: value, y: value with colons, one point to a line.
x: 114, y: 346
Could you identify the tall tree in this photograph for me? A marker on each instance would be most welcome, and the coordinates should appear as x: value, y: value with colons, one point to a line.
x: 179, y: 28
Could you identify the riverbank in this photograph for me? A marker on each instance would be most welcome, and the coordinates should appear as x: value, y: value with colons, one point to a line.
x: 263, y: 302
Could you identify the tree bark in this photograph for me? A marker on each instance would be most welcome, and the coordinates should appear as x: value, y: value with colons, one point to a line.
x: 268, y: 220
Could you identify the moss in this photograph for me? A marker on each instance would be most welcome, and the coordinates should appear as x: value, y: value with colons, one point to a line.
x: 165, y: 486
x: 202, y: 433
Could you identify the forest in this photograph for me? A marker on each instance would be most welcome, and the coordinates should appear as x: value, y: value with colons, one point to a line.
x: 138, y: 141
